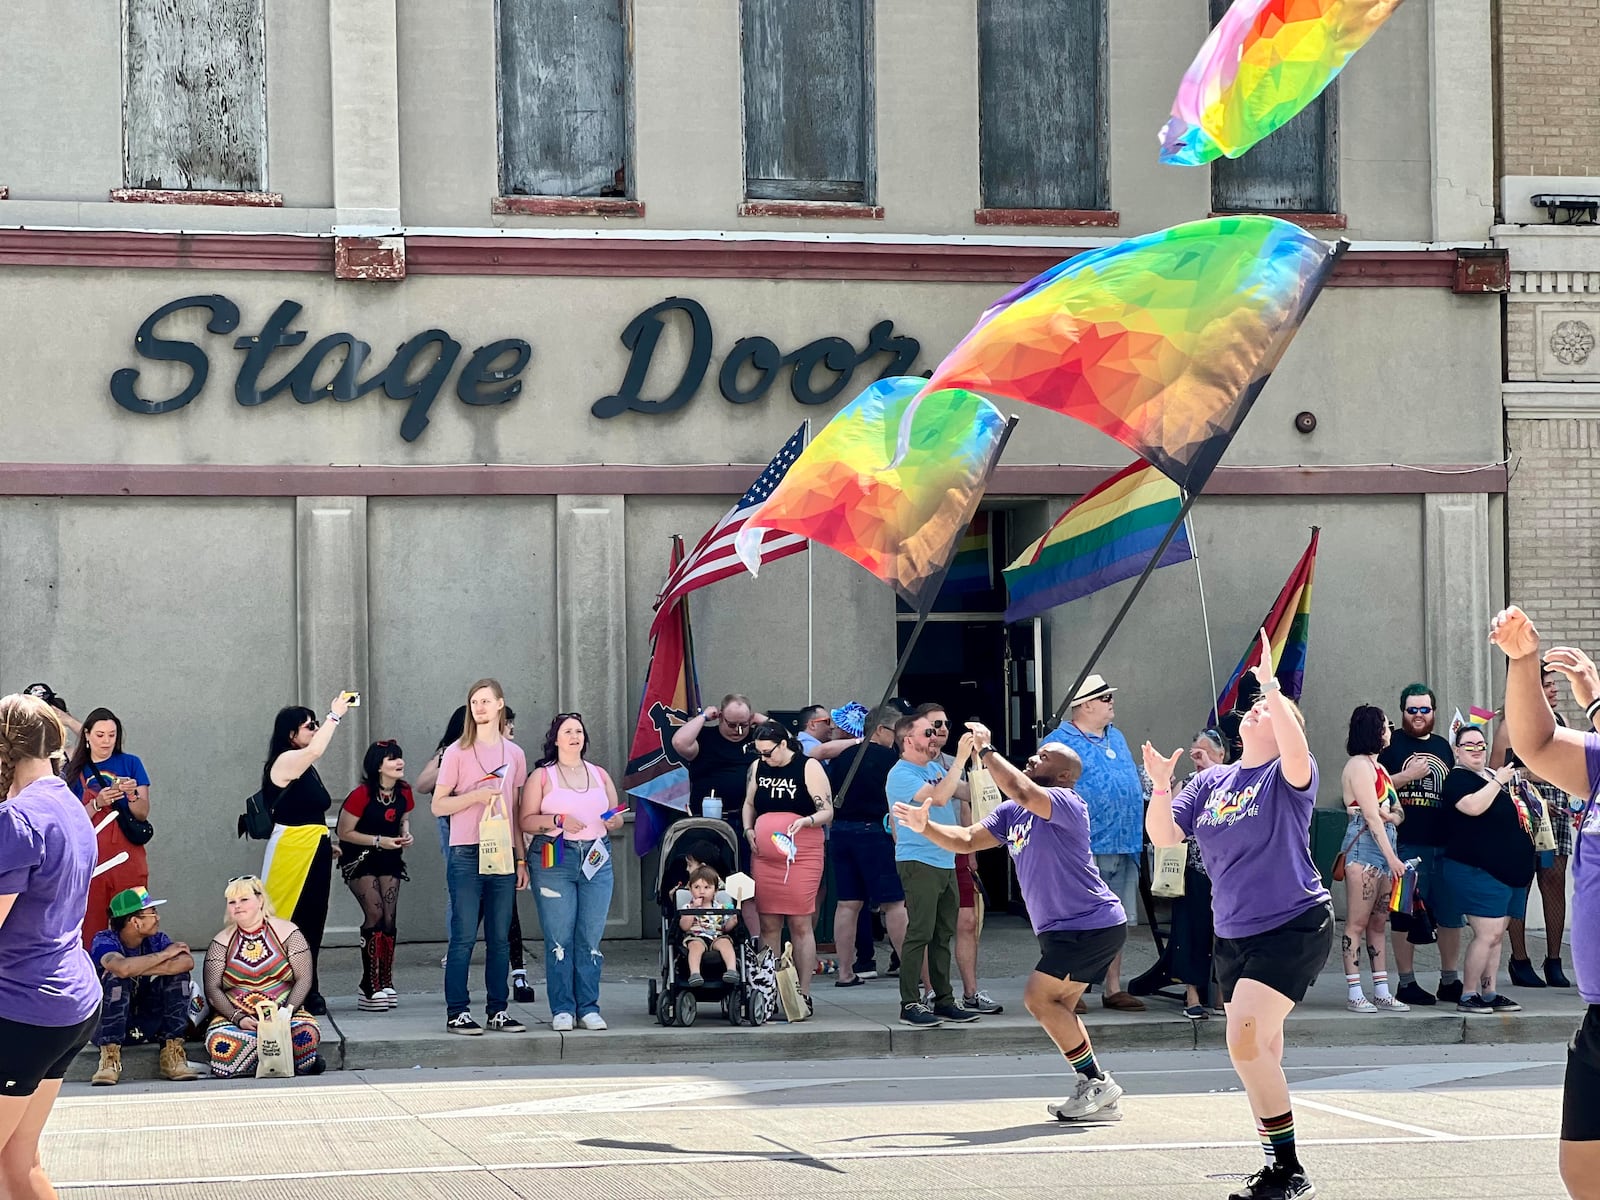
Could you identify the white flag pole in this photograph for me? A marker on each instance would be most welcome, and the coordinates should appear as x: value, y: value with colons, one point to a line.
x: 811, y: 660
x: 1205, y: 618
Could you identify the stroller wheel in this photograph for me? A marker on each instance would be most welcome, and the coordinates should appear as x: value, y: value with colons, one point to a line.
x: 688, y: 1008
x: 651, y: 998
x: 666, y: 1010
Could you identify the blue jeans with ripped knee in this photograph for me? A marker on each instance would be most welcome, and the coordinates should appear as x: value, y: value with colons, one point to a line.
x: 572, y: 912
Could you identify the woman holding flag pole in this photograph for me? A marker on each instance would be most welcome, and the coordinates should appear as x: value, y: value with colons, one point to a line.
x: 1274, y: 919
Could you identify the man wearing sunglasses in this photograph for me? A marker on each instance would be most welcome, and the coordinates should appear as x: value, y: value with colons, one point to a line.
x: 1418, y: 760
x: 715, y: 742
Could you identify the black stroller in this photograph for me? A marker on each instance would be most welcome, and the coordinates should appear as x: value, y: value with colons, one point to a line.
x: 671, y: 1000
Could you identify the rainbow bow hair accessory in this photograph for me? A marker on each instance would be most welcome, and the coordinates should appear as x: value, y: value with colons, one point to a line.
x: 1264, y: 62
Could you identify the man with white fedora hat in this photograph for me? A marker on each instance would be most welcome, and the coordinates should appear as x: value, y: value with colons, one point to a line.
x: 1112, y: 790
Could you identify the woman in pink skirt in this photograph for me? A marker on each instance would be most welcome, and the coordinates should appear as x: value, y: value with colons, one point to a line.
x: 787, y: 801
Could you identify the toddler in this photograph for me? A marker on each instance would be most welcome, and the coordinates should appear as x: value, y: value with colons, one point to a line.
x: 707, y: 929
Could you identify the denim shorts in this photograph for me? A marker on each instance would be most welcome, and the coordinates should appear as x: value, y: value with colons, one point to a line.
x: 1365, y: 849
x: 1476, y: 893
x: 1121, y: 874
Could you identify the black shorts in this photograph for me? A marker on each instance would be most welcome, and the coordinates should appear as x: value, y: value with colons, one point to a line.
x: 862, y: 855
x: 1286, y: 959
x: 1580, y: 1098
x: 31, y: 1054
x: 1081, y: 955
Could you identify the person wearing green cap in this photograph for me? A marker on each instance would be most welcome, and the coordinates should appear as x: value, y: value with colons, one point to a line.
x: 144, y: 979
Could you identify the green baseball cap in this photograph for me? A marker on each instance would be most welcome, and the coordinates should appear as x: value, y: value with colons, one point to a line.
x: 133, y: 900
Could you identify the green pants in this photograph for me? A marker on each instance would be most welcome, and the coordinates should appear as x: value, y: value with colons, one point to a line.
x: 932, y: 903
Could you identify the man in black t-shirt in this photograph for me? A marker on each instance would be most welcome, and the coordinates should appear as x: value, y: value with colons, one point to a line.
x: 1418, y: 760
x: 862, y: 849
x: 715, y: 742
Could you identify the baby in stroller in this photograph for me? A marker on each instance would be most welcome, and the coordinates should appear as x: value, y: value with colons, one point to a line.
x: 708, y: 929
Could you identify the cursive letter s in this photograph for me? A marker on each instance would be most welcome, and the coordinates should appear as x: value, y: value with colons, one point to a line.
x: 224, y: 319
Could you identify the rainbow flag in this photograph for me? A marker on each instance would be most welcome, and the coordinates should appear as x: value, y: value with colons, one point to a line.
x: 1264, y: 62
x: 1481, y: 715
x: 1288, y: 628
x: 972, y: 569
x: 891, y: 481
x: 550, y: 853
x: 1108, y: 535
x: 1162, y: 341
x: 1403, y: 896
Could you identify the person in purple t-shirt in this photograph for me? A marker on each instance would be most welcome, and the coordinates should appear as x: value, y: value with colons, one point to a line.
x: 1274, y: 919
x: 1570, y: 760
x: 1079, y: 920
x: 49, y: 996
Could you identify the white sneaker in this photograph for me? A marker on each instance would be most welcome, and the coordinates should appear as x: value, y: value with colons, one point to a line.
x: 592, y: 1021
x: 1390, y: 1004
x: 1361, y: 1005
x: 1090, y: 1096
x: 561, y: 1022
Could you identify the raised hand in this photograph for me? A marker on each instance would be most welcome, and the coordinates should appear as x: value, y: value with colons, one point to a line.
x: 913, y: 816
x: 1263, y: 670
x: 1580, y: 671
x: 1159, y: 766
x: 1514, y: 633
x: 980, y: 735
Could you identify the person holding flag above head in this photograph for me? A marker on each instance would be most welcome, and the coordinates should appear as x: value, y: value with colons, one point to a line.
x: 1274, y: 919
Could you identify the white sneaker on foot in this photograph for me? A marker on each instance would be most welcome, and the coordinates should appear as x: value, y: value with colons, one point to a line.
x: 1090, y: 1096
x: 1390, y: 1004
x: 561, y: 1022
x: 593, y: 1021
x: 1361, y: 1005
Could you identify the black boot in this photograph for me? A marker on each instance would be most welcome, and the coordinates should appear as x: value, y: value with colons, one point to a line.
x: 1522, y: 974
x: 1553, y: 974
x: 368, y: 1000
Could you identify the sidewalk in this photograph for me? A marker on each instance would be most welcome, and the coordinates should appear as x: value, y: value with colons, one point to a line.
x: 855, y: 1022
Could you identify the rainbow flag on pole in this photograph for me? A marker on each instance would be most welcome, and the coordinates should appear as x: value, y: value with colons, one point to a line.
x: 1108, y: 535
x: 1288, y: 628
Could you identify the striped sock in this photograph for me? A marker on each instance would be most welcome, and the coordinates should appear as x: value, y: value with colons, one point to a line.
x: 1278, y: 1134
x: 1082, y: 1060
x: 1353, y: 984
x: 1266, y: 1143
x: 1380, y: 985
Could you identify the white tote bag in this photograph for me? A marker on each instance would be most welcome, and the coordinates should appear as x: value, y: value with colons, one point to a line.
x: 274, y: 1042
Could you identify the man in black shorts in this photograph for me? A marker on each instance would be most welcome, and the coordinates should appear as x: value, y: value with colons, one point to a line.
x: 1079, y: 921
x: 861, y: 848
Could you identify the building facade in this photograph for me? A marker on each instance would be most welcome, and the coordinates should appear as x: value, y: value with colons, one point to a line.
x: 385, y: 345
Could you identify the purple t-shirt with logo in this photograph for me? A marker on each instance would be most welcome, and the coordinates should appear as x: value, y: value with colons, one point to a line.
x: 1062, y: 889
x: 47, y: 853
x: 1586, y: 882
x: 1254, y: 834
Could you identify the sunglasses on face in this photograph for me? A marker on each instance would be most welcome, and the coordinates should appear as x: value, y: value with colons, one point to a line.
x: 767, y: 753
x: 1418, y: 710
x: 1474, y: 746
x: 312, y: 723
x: 941, y: 724
x: 925, y: 733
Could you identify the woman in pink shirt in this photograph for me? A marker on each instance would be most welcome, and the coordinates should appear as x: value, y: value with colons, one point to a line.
x: 484, y: 768
x: 571, y: 805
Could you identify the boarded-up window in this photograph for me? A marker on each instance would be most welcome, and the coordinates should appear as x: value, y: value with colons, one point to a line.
x: 1295, y: 169
x: 807, y: 99
x: 1042, y: 103
x: 195, y: 95
x: 563, y: 98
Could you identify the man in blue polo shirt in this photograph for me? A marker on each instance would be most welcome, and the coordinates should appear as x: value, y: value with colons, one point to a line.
x: 927, y: 872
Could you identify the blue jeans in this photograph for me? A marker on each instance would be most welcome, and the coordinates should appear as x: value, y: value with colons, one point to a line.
x: 475, y: 897
x: 572, y: 911
x: 444, y: 851
x: 145, y: 1008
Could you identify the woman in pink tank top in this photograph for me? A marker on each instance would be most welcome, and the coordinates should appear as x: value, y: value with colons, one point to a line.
x: 571, y: 807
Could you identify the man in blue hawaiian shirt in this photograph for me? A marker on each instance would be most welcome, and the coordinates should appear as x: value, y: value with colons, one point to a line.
x: 1111, y: 787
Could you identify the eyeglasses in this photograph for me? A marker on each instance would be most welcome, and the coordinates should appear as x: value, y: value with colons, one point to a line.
x: 244, y: 879
x: 924, y: 733
x: 1472, y: 745
x: 768, y: 753
x: 941, y: 724
x: 311, y: 723
x: 560, y: 717
x: 1418, y: 710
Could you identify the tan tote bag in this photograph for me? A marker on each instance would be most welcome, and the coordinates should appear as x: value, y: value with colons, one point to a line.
x: 495, y: 856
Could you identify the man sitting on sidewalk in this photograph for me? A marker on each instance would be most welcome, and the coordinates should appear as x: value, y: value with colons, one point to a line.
x: 1079, y: 921
x: 144, y: 975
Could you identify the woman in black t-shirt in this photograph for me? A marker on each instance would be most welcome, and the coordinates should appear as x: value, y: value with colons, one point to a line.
x: 374, y: 830
x: 1488, y: 863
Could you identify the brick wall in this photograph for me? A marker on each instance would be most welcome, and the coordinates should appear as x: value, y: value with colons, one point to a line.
x: 1553, y: 507
x: 1549, y: 101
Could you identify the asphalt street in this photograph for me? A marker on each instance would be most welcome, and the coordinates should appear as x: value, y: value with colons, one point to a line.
x: 1426, y: 1123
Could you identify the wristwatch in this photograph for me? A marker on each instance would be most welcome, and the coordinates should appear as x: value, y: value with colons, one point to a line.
x: 984, y: 751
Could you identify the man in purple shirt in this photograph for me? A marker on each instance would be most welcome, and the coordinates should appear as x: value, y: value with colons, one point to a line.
x: 1571, y: 760
x: 1078, y: 920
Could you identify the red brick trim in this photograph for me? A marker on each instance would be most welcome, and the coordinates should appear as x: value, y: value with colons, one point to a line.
x: 565, y: 206
x: 819, y: 209
x: 1304, y: 220
x: 110, y: 479
x: 178, y: 196
x: 650, y: 259
x: 1045, y: 218
x: 374, y: 259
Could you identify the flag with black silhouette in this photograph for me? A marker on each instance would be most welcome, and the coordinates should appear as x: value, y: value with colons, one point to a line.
x: 656, y: 774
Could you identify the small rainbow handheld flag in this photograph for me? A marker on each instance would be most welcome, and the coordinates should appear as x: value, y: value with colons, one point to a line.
x: 550, y: 853
x: 1403, y: 896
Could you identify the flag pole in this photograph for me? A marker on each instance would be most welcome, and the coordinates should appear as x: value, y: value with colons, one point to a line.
x: 930, y: 594
x: 1205, y: 617
x: 1127, y: 603
x: 811, y: 659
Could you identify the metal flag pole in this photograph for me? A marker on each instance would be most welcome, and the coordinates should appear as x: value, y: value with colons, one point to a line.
x: 811, y: 659
x: 1149, y: 569
x: 1205, y: 618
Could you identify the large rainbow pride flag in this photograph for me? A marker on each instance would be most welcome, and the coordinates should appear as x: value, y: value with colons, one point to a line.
x: 1107, y: 536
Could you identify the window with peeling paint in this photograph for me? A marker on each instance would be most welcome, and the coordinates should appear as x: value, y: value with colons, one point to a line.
x: 807, y: 99
x: 194, y: 95
x: 1042, y: 123
x: 1294, y: 170
x: 564, y: 98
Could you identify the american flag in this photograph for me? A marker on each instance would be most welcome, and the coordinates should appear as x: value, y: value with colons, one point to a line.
x: 714, y: 557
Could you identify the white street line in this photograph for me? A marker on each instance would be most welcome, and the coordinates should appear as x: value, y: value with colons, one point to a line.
x: 687, y: 1159
x: 1300, y: 1101
x: 1408, y: 1077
